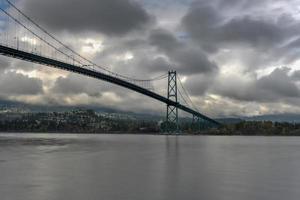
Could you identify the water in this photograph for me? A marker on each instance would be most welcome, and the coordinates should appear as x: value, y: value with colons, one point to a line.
x: 130, y: 167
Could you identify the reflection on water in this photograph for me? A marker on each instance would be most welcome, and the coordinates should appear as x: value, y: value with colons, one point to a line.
x: 120, y: 167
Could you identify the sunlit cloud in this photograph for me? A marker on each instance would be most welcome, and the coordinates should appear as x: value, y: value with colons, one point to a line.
x: 91, y: 47
x: 124, y: 57
x: 31, y: 41
x: 183, y: 79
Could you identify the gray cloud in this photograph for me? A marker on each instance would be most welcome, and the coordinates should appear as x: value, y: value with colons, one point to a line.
x: 296, y: 75
x: 252, y: 34
x: 78, y: 84
x: 145, y: 67
x: 12, y: 83
x: 275, y: 87
x: 111, y: 17
x: 158, y: 64
x: 69, y: 85
x: 4, y: 63
x: 198, y: 85
x: 145, y: 63
x: 164, y: 40
x: 278, y: 84
x: 185, y: 58
x: 206, y: 25
x: 289, y: 52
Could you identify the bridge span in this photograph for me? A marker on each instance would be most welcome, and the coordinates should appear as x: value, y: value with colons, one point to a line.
x: 11, y: 52
x: 24, y: 39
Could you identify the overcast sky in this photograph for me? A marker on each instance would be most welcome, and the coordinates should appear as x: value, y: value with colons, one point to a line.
x: 236, y: 57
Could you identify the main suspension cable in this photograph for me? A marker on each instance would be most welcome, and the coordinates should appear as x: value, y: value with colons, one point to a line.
x: 92, y: 64
x: 187, y: 94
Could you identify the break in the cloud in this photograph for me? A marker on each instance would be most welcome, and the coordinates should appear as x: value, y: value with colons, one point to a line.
x: 229, y: 53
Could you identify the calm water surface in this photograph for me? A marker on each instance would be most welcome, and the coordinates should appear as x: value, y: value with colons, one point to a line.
x: 129, y: 167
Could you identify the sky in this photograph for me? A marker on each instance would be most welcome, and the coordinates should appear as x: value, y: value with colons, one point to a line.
x: 235, y: 57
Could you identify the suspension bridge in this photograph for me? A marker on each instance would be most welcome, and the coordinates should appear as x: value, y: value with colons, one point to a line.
x: 23, y: 38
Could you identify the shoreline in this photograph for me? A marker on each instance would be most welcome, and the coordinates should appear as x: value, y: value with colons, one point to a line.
x: 150, y: 134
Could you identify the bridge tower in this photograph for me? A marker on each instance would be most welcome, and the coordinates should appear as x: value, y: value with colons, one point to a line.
x: 172, y: 111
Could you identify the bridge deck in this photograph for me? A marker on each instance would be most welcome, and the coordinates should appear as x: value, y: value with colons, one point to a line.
x: 10, y: 52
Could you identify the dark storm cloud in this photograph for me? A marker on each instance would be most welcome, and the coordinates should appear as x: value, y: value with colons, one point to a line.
x: 199, y: 84
x: 193, y: 61
x: 207, y: 25
x: 164, y: 40
x: 275, y: 87
x: 279, y: 84
x: 251, y: 31
x: 241, y: 5
x: 296, y: 75
x: 185, y: 58
x: 111, y: 17
x: 17, y: 84
x: 145, y: 63
x: 159, y: 64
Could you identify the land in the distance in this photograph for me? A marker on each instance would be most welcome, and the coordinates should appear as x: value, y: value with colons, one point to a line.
x: 89, y: 121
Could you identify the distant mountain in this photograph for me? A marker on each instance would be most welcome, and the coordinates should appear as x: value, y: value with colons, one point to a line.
x: 11, y: 105
x: 288, y: 117
x: 229, y: 120
x: 50, y: 108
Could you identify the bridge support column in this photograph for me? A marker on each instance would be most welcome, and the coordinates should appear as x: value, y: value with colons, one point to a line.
x: 172, y: 111
x: 198, y: 123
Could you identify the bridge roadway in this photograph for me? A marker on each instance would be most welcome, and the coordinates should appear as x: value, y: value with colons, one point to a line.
x: 11, y: 52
